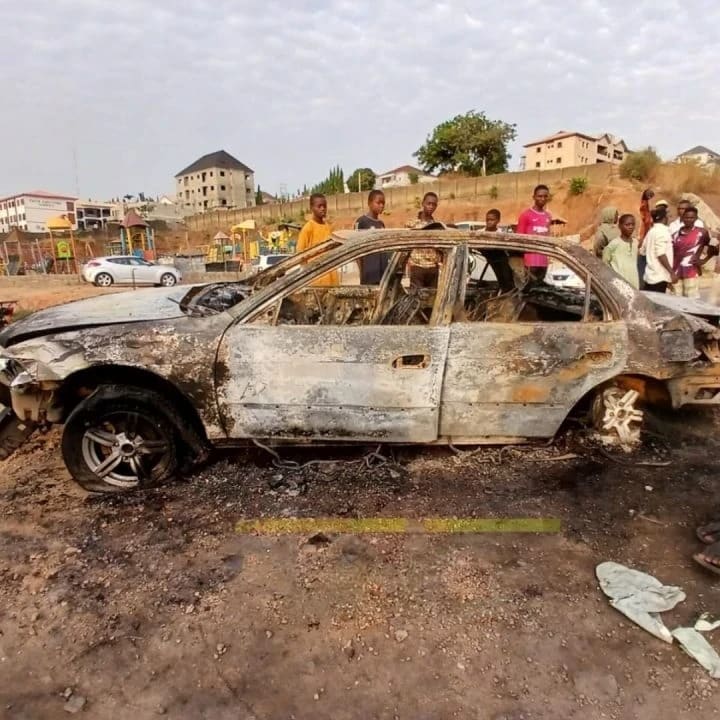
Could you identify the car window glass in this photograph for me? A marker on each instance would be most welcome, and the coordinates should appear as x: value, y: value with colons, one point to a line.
x: 376, y: 288
x: 510, y: 286
x: 118, y: 261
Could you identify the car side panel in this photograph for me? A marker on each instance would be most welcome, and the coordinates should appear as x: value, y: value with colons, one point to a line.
x: 323, y: 382
x: 520, y: 380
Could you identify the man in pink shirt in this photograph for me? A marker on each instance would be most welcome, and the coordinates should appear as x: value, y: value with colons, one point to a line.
x: 536, y: 221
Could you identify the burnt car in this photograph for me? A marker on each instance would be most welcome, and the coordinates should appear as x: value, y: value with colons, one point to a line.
x: 150, y: 381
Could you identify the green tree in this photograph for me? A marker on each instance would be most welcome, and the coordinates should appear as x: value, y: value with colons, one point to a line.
x: 469, y: 143
x: 333, y: 184
x: 640, y: 165
x: 259, y: 197
x: 361, y: 179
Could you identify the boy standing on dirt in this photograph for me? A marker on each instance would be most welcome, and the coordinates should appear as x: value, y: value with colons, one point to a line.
x: 688, y: 243
x: 372, y: 267
x: 659, y: 255
x: 536, y: 221
x: 424, y: 265
x: 315, y: 231
x: 622, y: 252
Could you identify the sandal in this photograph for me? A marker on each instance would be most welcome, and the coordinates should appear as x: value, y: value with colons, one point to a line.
x: 713, y: 564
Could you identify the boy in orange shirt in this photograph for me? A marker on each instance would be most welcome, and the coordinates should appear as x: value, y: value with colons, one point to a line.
x: 315, y: 231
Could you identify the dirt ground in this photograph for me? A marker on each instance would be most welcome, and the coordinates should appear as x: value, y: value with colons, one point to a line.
x: 155, y: 605
x: 33, y: 298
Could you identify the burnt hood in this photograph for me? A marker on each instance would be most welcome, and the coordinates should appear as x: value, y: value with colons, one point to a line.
x: 111, y: 309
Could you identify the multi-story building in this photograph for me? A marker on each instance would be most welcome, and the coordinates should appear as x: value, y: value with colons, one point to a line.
x: 216, y: 180
x: 30, y: 211
x: 92, y: 215
x: 700, y: 155
x: 570, y: 149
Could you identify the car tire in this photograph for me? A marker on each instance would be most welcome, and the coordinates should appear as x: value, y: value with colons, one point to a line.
x: 103, y: 279
x: 120, y: 439
x: 168, y: 280
x: 616, y: 416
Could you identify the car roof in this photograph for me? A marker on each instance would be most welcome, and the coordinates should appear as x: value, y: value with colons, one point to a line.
x: 450, y: 236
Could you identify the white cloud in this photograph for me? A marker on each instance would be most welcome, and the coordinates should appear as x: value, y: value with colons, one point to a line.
x: 296, y: 87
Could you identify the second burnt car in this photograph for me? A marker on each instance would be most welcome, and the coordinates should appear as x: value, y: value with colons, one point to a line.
x: 147, y: 382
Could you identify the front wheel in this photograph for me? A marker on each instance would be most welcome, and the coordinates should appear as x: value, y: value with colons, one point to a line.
x: 168, y: 280
x: 118, y: 440
x: 103, y: 280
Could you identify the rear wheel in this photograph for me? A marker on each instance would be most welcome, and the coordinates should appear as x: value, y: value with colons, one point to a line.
x: 616, y: 416
x: 103, y: 279
x: 168, y: 280
x: 119, y: 439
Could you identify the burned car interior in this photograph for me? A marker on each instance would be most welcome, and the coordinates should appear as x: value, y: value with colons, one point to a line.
x: 496, y: 290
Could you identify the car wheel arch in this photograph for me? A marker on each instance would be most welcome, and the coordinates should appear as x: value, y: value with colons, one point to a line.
x: 651, y: 390
x: 82, y: 383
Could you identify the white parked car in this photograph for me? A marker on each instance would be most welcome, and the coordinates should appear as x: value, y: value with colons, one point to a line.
x: 469, y: 225
x: 562, y: 276
x: 129, y: 270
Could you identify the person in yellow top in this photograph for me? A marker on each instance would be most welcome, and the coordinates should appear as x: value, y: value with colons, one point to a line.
x: 315, y: 231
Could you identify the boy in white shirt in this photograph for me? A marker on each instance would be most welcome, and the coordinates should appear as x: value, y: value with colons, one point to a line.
x: 658, y: 246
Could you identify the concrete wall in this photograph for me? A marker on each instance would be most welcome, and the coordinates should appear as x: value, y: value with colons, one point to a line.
x: 508, y: 186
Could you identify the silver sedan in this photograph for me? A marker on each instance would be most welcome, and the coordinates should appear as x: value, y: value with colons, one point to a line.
x: 129, y: 270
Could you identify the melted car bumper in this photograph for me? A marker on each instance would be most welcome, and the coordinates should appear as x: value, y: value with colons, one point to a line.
x: 700, y: 389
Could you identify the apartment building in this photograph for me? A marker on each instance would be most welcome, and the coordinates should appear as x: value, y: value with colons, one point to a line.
x: 570, y: 149
x: 30, y: 211
x: 92, y: 214
x: 216, y: 180
x: 700, y: 155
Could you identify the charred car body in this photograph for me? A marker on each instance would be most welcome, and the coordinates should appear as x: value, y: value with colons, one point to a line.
x: 147, y: 381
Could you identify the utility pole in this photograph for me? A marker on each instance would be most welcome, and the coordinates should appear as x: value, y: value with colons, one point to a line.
x: 75, y: 170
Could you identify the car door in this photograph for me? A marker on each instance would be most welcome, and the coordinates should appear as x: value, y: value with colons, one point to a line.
x: 511, y: 379
x: 363, y: 382
x: 119, y: 267
x: 143, y: 272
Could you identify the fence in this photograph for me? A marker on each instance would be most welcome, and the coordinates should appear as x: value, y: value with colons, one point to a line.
x: 508, y: 186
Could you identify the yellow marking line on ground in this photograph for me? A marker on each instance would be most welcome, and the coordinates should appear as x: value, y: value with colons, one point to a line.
x: 299, y: 526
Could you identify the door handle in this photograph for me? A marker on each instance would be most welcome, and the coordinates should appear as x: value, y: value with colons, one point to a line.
x: 411, y: 362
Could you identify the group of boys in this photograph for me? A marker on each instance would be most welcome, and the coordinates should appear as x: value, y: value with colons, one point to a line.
x: 424, y: 263
x: 664, y: 255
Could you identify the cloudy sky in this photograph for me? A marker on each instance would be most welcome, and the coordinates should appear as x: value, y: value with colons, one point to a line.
x: 141, y: 88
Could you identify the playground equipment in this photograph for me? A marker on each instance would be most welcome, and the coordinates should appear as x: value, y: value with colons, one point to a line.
x: 59, y: 253
x: 136, y: 237
x: 244, y: 248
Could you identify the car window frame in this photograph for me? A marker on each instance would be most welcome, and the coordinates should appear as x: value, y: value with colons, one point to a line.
x: 592, y: 283
x: 441, y: 308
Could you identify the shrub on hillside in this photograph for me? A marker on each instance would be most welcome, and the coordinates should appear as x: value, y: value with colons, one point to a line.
x: 494, y: 192
x: 578, y: 185
x: 640, y: 165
